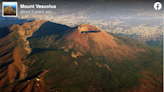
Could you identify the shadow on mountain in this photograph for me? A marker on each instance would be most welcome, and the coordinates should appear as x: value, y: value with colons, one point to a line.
x: 31, y: 77
x: 8, y: 52
x: 4, y: 32
x: 51, y: 28
x: 90, y: 31
x: 5, y: 64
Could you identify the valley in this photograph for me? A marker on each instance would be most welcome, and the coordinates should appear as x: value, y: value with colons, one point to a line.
x: 80, y: 59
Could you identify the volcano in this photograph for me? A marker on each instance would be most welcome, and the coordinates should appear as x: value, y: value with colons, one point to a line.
x: 87, y: 38
x: 83, y: 58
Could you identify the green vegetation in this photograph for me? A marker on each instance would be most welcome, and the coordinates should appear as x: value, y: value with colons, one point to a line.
x: 156, y: 44
x: 129, y: 41
x: 14, y: 37
x: 65, y: 76
x: 46, y: 41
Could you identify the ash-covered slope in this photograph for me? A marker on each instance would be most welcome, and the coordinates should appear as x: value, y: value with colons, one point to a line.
x: 84, y: 58
x: 90, y: 39
x: 27, y: 85
x: 13, y: 47
x: 104, y: 62
x: 11, y: 67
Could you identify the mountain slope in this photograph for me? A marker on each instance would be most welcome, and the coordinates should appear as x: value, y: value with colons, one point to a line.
x: 91, y: 59
x: 85, y: 58
x: 12, y: 50
x: 11, y: 67
x: 100, y: 43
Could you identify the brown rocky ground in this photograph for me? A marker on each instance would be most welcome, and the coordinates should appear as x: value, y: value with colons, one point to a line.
x: 99, y: 43
x: 13, y: 71
x: 10, y: 62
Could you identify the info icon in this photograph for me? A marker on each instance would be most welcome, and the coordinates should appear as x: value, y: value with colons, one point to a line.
x: 9, y: 9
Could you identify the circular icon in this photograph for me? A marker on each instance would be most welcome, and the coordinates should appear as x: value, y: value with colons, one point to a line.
x: 157, y: 6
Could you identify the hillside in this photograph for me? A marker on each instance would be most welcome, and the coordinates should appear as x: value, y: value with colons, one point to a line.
x: 11, y: 67
x: 12, y: 50
x: 84, y: 58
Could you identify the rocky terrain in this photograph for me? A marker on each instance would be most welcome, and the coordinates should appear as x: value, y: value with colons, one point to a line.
x: 40, y: 56
x: 98, y: 42
x: 26, y: 30
x: 14, y: 46
x: 11, y: 69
